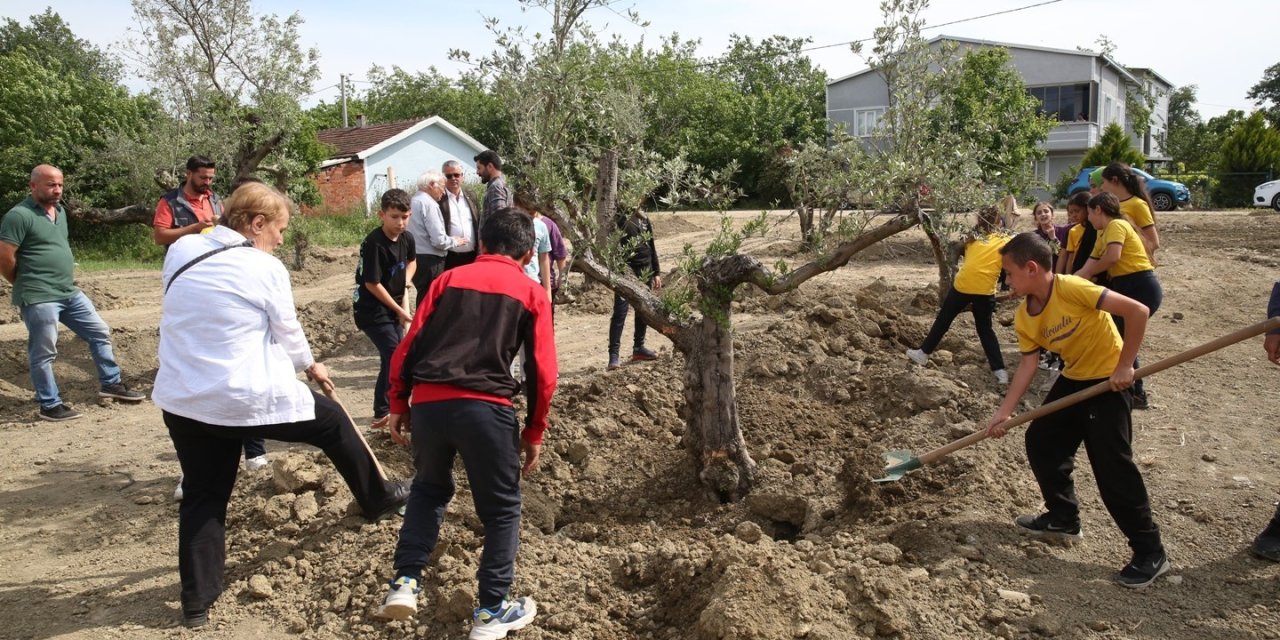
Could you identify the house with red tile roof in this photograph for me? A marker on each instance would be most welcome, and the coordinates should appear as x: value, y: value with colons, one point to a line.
x: 368, y: 159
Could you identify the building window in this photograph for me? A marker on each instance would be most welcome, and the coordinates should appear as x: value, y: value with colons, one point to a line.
x: 1067, y: 102
x: 867, y: 121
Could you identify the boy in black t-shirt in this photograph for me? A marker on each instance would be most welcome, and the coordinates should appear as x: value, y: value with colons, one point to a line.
x: 381, y: 312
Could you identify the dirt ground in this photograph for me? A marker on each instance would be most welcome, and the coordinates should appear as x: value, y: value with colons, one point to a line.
x: 618, y: 539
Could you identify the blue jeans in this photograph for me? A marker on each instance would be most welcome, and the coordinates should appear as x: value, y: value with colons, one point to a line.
x: 80, y: 316
x: 385, y: 337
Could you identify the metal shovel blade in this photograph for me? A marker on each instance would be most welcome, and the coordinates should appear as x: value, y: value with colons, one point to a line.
x: 898, y: 463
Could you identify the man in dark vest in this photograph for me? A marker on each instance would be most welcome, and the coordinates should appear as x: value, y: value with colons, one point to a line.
x: 191, y: 208
x: 461, y: 216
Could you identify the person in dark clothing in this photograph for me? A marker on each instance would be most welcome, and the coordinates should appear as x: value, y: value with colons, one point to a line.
x: 1267, y: 544
x: 641, y: 256
x: 387, y: 261
x: 454, y: 365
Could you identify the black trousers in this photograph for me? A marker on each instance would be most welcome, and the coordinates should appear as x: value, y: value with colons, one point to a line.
x: 1144, y: 287
x: 487, y: 437
x: 983, y: 307
x: 1104, y: 425
x: 429, y: 268
x: 455, y: 259
x: 210, y: 457
x: 619, y: 320
x: 386, y: 337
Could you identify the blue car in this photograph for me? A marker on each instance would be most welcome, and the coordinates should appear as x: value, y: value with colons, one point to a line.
x: 1166, y: 195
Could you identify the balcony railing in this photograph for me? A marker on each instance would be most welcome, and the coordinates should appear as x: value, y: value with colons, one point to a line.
x: 1069, y: 136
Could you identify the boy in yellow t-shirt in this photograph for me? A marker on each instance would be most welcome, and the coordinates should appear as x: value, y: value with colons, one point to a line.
x: 975, y: 287
x: 1068, y: 314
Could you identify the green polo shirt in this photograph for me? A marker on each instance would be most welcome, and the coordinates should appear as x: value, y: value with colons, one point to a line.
x: 45, y: 266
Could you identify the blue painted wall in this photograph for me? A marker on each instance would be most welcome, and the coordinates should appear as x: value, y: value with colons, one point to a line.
x: 426, y: 149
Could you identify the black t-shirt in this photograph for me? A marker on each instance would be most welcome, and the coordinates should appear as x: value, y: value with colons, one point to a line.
x: 381, y: 260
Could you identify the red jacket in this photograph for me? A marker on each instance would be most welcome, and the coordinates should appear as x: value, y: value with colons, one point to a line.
x: 467, y: 332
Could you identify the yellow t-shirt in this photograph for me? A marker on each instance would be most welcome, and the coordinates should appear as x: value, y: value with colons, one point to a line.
x: 1133, y: 256
x: 981, y: 269
x: 1136, y: 211
x: 1074, y: 235
x: 1072, y: 325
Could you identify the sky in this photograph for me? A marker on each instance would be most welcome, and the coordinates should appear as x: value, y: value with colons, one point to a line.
x: 1223, y: 48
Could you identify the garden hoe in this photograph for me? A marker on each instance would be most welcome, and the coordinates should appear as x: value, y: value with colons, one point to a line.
x: 902, y: 462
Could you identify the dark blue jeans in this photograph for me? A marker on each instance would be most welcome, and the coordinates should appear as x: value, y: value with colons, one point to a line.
x: 385, y: 337
x: 1144, y: 287
x: 619, y: 320
x: 488, y: 438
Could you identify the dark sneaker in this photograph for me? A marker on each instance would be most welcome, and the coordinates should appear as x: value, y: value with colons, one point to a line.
x: 511, y: 615
x: 399, y: 495
x: 1141, y: 402
x: 642, y: 354
x: 1267, y: 545
x: 1043, y: 527
x: 401, y: 601
x: 614, y: 363
x: 1143, y: 569
x: 120, y: 392
x: 59, y: 413
x: 195, y: 618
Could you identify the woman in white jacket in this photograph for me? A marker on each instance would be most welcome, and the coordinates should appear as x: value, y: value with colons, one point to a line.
x: 230, y: 350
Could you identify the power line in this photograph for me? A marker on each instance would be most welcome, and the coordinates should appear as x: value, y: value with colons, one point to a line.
x: 939, y: 26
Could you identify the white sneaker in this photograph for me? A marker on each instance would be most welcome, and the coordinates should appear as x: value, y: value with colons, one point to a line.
x: 917, y: 356
x: 177, y: 493
x: 511, y: 615
x: 402, y: 600
x: 256, y: 463
x: 1002, y: 376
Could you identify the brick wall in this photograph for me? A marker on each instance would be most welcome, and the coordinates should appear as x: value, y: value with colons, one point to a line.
x: 341, y: 187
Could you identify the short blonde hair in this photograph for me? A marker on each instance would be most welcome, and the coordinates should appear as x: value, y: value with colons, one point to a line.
x: 251, y: 200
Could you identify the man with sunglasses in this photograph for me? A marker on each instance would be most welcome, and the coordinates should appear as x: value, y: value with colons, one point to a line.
x: 461, y: 217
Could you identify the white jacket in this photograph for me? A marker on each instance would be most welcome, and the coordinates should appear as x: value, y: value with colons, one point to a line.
x: 231, y: 345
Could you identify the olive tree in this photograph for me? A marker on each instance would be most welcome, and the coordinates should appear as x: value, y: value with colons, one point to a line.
x: 577, y: 154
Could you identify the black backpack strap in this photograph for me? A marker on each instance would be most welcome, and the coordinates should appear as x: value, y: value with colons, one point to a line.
x: 197, y: 259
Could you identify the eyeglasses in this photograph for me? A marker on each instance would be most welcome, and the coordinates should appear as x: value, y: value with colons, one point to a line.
x: 453, y: 175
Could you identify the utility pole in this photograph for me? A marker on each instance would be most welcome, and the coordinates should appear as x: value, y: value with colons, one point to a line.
x: 342, y: 84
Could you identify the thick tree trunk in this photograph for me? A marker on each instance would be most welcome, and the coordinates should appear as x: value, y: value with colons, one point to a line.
x: 713, y: 435
x: 606, y: 195
x: 947, y: 257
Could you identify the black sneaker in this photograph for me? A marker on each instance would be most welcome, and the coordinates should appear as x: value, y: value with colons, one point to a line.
x: 641, y: 354
x: 1140, y: 402
x: 195, y: 618
x: 1267, y: 545
x: 59, y: 413
x: 120, y: 392
x: 1043, y: 527
x: 1143, y: 569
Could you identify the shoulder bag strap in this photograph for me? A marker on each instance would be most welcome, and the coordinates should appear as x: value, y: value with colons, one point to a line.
x: 197, y: 259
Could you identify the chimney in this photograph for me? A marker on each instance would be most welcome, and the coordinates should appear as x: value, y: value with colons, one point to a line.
x: 360, y: 121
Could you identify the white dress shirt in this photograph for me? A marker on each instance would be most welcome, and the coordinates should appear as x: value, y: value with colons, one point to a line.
x: 460, y: 221
x: 231, y: 345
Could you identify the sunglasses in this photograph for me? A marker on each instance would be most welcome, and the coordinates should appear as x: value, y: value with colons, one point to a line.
x: 453, y: 175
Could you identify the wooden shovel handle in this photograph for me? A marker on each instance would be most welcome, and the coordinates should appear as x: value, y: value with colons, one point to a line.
x: 331, y: 392
x: 1103, y: 387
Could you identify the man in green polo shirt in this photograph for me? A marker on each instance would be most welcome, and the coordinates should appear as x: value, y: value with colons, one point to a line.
x: 35, y: 257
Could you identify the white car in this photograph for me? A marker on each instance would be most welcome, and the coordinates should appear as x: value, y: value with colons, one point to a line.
x: 1267, y: 194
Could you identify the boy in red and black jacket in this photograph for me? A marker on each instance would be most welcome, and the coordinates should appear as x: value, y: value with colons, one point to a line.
x: 454, y: 367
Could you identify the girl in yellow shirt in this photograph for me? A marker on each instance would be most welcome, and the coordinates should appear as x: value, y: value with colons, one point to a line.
x: 975, y: 287
x: 1119, y: 252
x: 1135, y: 203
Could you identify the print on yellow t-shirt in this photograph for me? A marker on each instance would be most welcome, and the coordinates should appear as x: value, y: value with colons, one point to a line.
x: 1072, y: 325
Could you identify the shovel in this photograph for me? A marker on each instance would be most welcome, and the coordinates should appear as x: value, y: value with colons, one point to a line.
x: 331, y: 393
x: 899, y: 463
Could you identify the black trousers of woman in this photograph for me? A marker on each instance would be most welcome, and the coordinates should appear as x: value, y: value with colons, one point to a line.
x: 983, y: 307
x: 210, y: 457
x: 1145, y: 288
